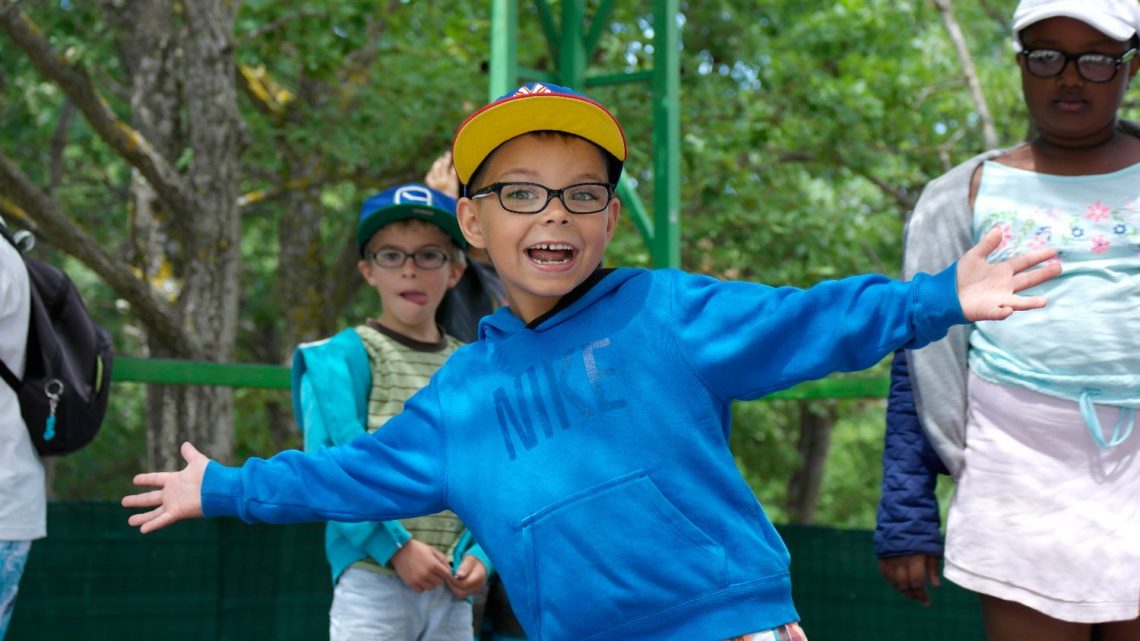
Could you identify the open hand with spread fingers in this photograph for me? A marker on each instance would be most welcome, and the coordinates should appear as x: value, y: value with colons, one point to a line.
x: 178, y: 497
x: 988, y: 291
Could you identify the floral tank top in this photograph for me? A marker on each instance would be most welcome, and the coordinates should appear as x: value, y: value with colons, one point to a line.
x: 1085, y: 345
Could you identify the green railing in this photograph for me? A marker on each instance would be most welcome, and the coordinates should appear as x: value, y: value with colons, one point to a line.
x: 178, y: 372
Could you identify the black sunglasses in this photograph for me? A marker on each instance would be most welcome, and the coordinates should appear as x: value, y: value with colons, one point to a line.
x: 1092, y: 66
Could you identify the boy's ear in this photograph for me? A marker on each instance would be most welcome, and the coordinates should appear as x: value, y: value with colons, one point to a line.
x: 364, y: 266
x: 612, y: 212
x: 467, y: 213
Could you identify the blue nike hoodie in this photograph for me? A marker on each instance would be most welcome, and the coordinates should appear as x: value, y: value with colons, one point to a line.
x: 588, y: 453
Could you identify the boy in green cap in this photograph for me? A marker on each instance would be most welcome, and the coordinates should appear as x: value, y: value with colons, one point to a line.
x: 394, y: 580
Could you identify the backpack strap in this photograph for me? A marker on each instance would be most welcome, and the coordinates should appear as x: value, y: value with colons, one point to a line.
x: 9, y: 377
x: 6, y: 373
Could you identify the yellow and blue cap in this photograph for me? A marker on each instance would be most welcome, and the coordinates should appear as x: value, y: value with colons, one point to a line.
x: 410, y: 200
x: 535, y: 106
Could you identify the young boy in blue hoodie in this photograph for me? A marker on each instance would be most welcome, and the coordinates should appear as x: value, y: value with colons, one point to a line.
x: 584, y: 438
x: 395, y: 580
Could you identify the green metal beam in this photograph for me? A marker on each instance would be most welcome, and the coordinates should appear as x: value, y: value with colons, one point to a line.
x: 164, y: 371
x: 503, y: 68
x: 666, y: 243
x: 601, y: 80
x: 546, y: 19
x: 633, y: 207
x: 167, y: 371
x: 572, y: 53
x: 598, y: 26
x: 528, y: 74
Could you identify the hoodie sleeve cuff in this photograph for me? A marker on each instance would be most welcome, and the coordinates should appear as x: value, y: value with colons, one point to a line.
x: 938, y: 306
x: 221, y: 490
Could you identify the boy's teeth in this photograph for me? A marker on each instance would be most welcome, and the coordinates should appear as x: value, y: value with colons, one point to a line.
x: 551, y: 253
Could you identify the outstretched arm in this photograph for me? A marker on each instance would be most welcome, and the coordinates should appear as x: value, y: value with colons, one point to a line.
x: 178, y: 497
x: 988, y: 291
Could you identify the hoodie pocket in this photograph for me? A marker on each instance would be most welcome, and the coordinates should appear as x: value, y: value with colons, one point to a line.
x: 614, y: 553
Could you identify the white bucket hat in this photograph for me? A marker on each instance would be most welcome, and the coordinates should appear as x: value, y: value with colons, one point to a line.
x: 1117, y: 19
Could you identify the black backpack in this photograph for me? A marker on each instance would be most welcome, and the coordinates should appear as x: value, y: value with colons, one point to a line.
x: 67, y: 378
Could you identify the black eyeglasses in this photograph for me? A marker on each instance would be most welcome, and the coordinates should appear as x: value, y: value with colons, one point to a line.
x: 392, y: 258
x: 531, y: 198
x: 1092, y: 66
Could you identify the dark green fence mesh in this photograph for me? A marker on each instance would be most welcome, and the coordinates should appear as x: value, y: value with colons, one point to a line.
x: 94, y: 578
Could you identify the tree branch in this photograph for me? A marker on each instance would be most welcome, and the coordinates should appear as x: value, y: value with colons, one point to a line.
x: 905, y: 201
x: 32, y: 203
x: 971, y: 73
x: 58, y: 142
x: 126, y: 141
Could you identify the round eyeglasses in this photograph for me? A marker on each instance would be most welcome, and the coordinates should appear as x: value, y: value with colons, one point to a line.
x: 392, y: 258
x: 1093, y: 67
x: 531, y: 198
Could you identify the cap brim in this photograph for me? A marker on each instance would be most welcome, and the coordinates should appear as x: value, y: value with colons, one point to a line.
x: 501, y: 121
x: 438, y: 217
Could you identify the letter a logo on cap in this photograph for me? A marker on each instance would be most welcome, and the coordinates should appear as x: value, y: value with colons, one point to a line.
x: 533, y: 88
x: 413, y: 195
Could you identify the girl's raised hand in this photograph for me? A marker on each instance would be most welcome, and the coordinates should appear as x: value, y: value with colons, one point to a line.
x: 179, y: 494
x: 988, y: 291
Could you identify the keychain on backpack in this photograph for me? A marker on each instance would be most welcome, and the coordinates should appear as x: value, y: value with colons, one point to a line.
x: 66, y: 380
x: 53, y: 390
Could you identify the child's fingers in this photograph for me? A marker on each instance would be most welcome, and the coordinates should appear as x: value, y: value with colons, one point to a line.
x: 1034, y: 277
x: 152, y: 479
x: 986, y: 244
x: 1022, y: 262
x: 143, y: 499
x: 142, y: 518
x: 162, y: 520
x: 1022, y: 303
x: 932, y: 571
x: 191, y: 453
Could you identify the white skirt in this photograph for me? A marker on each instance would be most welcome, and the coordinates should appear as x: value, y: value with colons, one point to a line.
x: 1041, y: 515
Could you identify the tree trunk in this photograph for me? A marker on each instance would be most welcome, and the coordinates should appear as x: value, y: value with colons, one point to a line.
x: 149, y: 46
x: 302, y: 276
x: 211, y: 287
x: 817, y: 419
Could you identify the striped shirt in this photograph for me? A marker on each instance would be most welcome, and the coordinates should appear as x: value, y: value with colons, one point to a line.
x: 400, y: 367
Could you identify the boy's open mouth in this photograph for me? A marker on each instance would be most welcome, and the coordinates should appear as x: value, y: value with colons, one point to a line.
x: 551, y: 253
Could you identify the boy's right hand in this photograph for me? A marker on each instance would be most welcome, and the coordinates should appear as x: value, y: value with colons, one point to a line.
x: 910, y: 573
x: 179, y: 494
x: 420, y: 566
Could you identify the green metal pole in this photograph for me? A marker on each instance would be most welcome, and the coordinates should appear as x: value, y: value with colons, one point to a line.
x: 666, y: 242
x: 504, y: 55
x: 572, y: 52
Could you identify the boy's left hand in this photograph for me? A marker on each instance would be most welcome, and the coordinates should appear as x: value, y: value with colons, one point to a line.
x: 469, y: 578
x: 179, y: 494
x: 989, y: 291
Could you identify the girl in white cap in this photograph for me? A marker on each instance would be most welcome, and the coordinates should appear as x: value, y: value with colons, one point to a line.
x: 1035, y: 417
